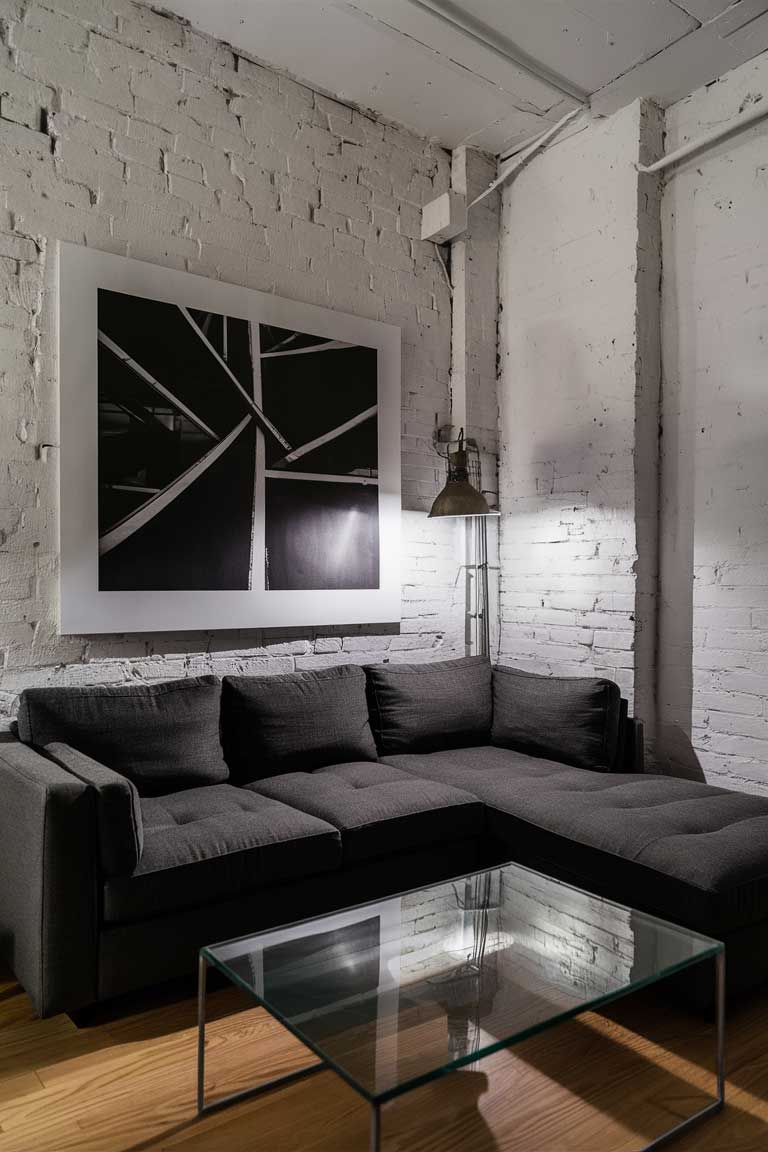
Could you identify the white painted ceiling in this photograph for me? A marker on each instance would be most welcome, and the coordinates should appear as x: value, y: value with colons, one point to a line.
x: 490, y: 72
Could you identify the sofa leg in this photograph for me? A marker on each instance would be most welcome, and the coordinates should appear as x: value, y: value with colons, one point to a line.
x: 87, y: 1017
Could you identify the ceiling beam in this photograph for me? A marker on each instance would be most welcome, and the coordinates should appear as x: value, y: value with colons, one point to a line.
x: 452, y: 15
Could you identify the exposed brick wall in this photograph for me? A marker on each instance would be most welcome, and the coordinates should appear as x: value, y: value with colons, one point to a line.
x: 124, y: 130
x: 714, y: 619
x: 579, y: 399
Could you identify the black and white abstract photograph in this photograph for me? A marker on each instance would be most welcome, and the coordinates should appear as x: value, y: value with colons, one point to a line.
x: 246, y: 453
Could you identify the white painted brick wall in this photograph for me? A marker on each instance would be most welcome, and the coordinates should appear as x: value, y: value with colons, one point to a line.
x: 127, y: 131
x: 578, y: 395
x: 714, y: 618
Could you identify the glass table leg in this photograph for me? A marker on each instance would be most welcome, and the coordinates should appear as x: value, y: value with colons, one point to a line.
x: 716, y: 1105
x: 201, y: 988
x: 720, y: 1009
x: 259, y: 1089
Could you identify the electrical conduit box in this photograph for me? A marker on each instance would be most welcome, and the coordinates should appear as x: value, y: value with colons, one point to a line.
x: 444, y: 218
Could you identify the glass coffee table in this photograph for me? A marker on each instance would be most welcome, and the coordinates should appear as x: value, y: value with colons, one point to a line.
x: 393, y: 994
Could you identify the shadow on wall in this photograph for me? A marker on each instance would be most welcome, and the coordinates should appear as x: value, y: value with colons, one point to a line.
x: 714, y: 488
x: 713, y: 576
x: 575, y: 529
x: 573, y: 483
x: 675, y: 754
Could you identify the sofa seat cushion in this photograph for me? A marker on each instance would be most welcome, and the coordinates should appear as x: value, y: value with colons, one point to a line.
x: 206, y: 844
x: 479, y: 770
x: 680, y: 848
x: 379, y: 809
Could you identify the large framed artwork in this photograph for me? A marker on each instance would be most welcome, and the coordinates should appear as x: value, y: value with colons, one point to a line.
x: 229, y: 459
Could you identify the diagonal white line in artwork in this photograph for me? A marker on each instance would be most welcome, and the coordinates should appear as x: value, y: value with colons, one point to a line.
x: 133, y: 488
x: 137, y: 412
x: 328, y: 477
x: 288, y: 340
x: 147, y: 511
x: 320, y: 440
x: 329, y: 346
x: 262, y: 419
x: 142, y: 373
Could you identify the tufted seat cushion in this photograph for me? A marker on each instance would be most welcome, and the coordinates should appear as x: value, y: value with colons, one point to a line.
x: 684, y: 850
x: 206, y: 844
x: 379, y: 809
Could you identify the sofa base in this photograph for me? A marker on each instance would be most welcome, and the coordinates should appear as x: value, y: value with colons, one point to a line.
x: 150, y: 952
x: 746, y: 947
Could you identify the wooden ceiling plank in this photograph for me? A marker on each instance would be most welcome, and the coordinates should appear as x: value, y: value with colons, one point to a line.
x: 590, y: 42
x: 704, y: 10
x: 697, y: 59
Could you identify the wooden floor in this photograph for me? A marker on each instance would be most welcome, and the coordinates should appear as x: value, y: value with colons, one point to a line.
x: 597, y: 1084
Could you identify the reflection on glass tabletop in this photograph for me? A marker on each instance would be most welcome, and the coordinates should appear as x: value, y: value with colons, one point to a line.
x: 397, y: 992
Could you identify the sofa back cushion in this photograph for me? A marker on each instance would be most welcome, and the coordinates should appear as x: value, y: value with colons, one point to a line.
x: 430, y: 707
x: 572, y: 719
x: 294, y: 722
x: 163, y: 737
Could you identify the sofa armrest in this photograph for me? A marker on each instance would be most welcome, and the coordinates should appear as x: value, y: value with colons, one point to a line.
x: 48, y: 900
x: 121, y: 833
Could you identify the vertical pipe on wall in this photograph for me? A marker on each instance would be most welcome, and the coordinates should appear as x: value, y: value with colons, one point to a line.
x: 482, y: 601
x: 474, y: 405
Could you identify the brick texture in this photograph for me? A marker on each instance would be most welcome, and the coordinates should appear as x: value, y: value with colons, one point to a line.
x: 579, y: 403
x: 714, y: 577
x: 123, y: 129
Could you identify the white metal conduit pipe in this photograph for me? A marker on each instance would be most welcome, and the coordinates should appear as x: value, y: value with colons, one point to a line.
x: 524, y: 151
x: 758, y: 112
x: 518, y: 158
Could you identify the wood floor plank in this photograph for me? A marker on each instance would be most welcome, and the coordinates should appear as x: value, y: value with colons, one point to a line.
x: 600, y: 1083
x: 17, y: 1087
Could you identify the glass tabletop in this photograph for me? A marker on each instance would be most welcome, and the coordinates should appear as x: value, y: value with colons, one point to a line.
x: 397, y: 992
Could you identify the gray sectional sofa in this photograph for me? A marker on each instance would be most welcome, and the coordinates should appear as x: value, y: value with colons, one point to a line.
x: 139, y: 822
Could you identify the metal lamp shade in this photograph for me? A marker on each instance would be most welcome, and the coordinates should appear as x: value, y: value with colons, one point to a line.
x: 459, y: 497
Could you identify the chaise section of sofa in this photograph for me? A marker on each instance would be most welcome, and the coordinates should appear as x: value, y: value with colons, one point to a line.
x: 678, y: 849
x: 684, y: 850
